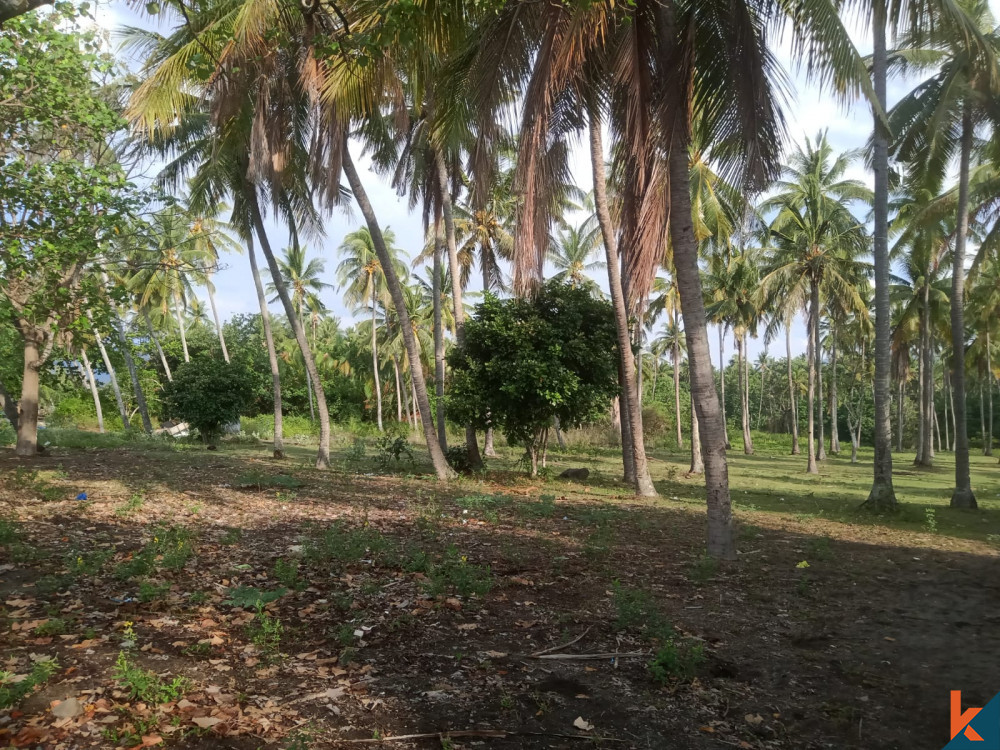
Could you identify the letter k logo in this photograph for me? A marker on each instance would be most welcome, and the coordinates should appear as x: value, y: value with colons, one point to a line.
x: 960, y: 721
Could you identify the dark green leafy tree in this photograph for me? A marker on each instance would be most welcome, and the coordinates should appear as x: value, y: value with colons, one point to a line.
x: 208, y: 394
x: 526, y: 362
x: 62, y: 193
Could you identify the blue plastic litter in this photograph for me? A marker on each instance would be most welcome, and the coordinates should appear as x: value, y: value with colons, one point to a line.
x: 82, y: 496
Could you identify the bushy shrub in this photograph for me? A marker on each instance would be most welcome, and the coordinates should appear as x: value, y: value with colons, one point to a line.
x: 73, y: 411
x: 457, y: 457
x: 207, y: 393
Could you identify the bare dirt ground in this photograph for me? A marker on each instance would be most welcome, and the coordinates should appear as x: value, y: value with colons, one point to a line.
x: 405, y: 607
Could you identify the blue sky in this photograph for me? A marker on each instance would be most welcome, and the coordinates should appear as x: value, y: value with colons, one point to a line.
x: 809, y: 110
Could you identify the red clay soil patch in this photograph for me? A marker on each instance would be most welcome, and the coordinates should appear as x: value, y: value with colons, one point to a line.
x: 424, y: 611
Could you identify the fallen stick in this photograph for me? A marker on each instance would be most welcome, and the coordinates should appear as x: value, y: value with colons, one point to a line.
x: 488, y: 733
x: 580, y: 657
x: 560, y: 648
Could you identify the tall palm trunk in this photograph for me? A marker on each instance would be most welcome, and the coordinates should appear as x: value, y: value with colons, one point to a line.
x: 925, y: 449
x: 140, y: 397
x: 471, y: 443
x: 988, y: 445
x: 900, y: 399
x: 744, y: 401
x: 442, y: 434
x: 309, y: 385
x: 882, y: 496
x: 722, y: 383
x: 821, y: 416
x: 632, y: 413
x: 811, y: 356
x: 721, y: 540
x: 399, y: 391
x: 179, y: 314
x: 834, y: 417
x: 112, y: 376
x: 27, y: 423
x: 441, y: 467
x: 793, y: 400
x: 406, y: 398
x: 944, y: 385
x: 489, y: 451
x: 675, y: 355
x: 156, y: 342
x: 272, y: 354
x: 963, y: 496
x: 92, y: 384
x: 378, y: 384
x: 215, y: 316
x: 323, y: 453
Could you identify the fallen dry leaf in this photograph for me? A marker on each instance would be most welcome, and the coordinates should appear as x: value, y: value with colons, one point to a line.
x: 580, y: 723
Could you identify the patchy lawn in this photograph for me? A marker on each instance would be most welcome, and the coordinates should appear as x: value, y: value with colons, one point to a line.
x: 227, y: 600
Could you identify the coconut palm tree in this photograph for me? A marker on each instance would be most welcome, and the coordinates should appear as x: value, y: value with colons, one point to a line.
x: 210, y: 238
x: 936, y: 123
x: 571, y: 254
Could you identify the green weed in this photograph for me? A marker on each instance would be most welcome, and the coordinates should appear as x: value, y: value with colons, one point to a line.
x: 455, y: 573
x: 14, y: 688
x: 145, y: 685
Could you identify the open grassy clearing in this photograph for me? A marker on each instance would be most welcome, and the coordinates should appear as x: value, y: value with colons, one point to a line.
x: 225, y: 599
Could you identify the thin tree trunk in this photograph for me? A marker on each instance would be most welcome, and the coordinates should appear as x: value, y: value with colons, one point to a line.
x: 834, y: 417
x: 632, y: 413
x: 272, y: 354
x: 989, y: 388
x: 215, y: 316
x: 413, y: 397
x: 982, y: 413
x: 811, y: 356
x: 471, y: 443
x: 792, y: 397
x: 722, y: 383
x: 112, y: 376
x: 900, y: 396
x: 180, y: 325
x: 27, y: 427
x: 920, y: 458
x: 323, y: 453
x: 638, y: 361
x: 559, y: 434
x: 92, y: 383
x: 951, y: 399
x: 963, y: 496
x: 744, y: 403
x: 9, y: 406
x: 442, y: 434
x: 489, y: 451
x: 378, y: 384
x: 944, y: 383
x: 140, y: 397
x: 882, y: 496
x: 156, y: 343
x: 937, y: 427
x: 925, y: 453
x: 656, y: 376
x: 399, y: 391
x: 309, y: 385
x: 441, y: 467
x: 821, y: 426
x: 675, y: 353
x: 721, y: 539
x: 932, y: 411
x: 697, y: 460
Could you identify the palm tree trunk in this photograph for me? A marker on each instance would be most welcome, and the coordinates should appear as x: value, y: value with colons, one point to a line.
x: 112, y: 376
x: 721, y: 539
x: 792, y: 399
x: 982, y: 413
x: 937, y: 429
x: 489, y: 451
x: 656, y: 376
x: 989, y: 387
x: 963, y: 496
x: 882, y: 496
x: 632, y: 413
x: 309, y: 386
x: 821, y: 427
x: 378, y: 384
x: 272, y: 354
x: 323, y: 453
x: 413, y: 396
x: 406, y: 400
x: 834, y: 417
x: 92, y: 383
x: 156, y: 343
x: 811, y: 356
x: 951, y: 400
x: 399, y: 391
x: 900, y: 398
x: 441, y: 467
x: 442, y: 434
x: 140, y: 397
x: 675, y: 354
x: 638, y: 361
x: 697, y: 459
x: 722, y: 383
x: 180, y: 325
x: 741, y: 357
x: 944, y: 385
x: 471, y: 443
x: 215, y: 317
x: 925, y: 450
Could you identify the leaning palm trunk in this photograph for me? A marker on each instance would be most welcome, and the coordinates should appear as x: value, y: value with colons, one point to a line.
x: 632, y: 413
x: 92, y: 383
x: 442, y: 434
x: 399, y: 393
x: 721, y: 541
x: 811, y: 356
x: 882, y: 496
x: 963, y: 496
x: 272, y: 354
x: 375, y: 374
x: 156, y: 343
x: 793, y: 400
x: 441, y: 467
x: 112, y: 375
x: 471, y: 444
x: 179, y: 313
x: 215, y: 317
x: 323, y: 453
